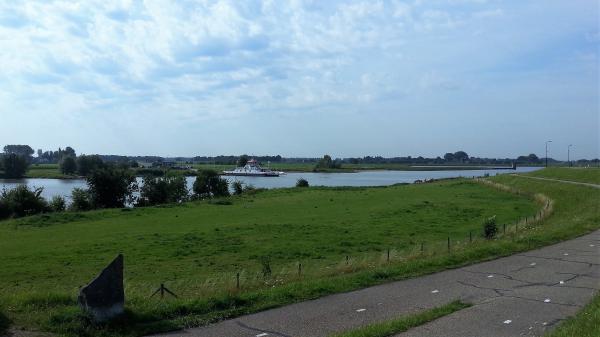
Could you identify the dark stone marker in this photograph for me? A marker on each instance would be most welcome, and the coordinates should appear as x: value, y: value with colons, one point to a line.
x: 104, y: 297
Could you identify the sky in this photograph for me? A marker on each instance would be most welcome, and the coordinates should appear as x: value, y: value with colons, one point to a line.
x: 495, y: 78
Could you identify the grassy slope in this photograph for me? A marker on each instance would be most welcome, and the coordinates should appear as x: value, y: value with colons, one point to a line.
x: 48, y: 257
x: 318, y: 226
x: 584, y: 175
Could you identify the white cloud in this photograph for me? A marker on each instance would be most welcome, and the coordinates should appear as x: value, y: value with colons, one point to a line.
x: 214, y: 60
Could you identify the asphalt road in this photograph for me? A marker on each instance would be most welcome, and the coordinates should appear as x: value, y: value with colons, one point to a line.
x: 521, y: 295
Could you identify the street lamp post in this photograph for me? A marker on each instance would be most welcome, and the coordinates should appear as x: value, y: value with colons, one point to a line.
x: 569, y: 154
x: 549, y: 141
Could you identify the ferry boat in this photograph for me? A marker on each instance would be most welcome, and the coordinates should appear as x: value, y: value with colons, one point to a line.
x: 252, y: 169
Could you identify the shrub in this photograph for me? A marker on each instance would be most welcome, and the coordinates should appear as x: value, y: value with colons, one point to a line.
x: 157, y: 191
x: 58, y: 204
x: 209, y: 184
x: 238, y: 187
x: 80, y: 200
x: 111, y: 187
x: 21, y: 201
x: 490, y: 228
x: 302, y: 183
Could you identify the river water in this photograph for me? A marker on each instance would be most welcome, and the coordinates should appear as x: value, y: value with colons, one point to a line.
x: 63, y: 187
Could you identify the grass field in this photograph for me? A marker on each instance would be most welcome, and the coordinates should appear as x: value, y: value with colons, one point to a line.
x: 584, y: 175
x: 197, y: 248
x: 46, y: 171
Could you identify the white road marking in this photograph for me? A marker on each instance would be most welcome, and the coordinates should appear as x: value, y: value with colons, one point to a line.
x: 262, y: 334
x: 547, y: 300
x: 508, y: 321
x: 591, y: 245
x: 360, y: 310
x: 435, y: 291
x: 566, y: 254
x: 490, y: 276
x: 562, y: 282
x: 532, y: 264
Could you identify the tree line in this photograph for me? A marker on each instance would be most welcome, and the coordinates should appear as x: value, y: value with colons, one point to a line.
x: 110, y: 185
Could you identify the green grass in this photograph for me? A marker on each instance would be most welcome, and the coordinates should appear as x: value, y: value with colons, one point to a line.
x: 50, y: 171
x: 585, y: 324
x: 398, y: 325
x: 584, y: 175
x: 197, y: 248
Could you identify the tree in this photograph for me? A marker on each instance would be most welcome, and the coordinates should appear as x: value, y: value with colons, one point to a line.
x: 327, y: 163
x: 157, y: 191
x: 208, y: 184
x: 449, y: 157
x: 461, y: 156
x: 243, y: 160
x: 111, y: 187
x: 87, y: 164
x: 14, y: 165
x: 69, y: 152
x: 68, y: 165
x: 21, y: 150
x: 533, y: 158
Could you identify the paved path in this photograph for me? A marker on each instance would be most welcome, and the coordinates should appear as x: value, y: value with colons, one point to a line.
x: 559, y: 181
x: 519, y: 295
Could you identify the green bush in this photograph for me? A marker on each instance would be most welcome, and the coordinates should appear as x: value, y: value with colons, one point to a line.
x: 80, y: 200
x: 156, y: 191
x: 302, y: 183
x: 490, y: 229
x: 111, y: 187
x: 58, y: 204
x: 21, y: 201
x: 209, y: 184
